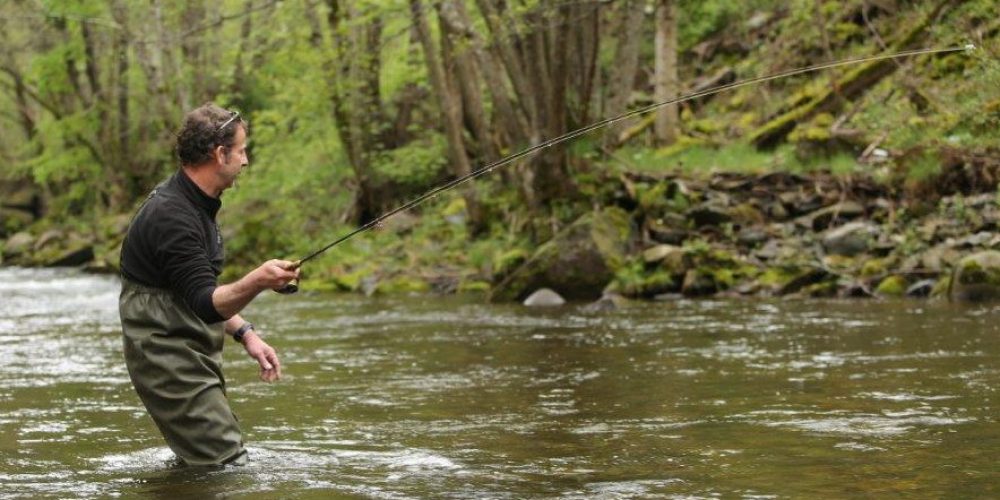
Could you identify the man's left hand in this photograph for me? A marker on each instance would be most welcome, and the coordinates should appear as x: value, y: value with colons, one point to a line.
x: 270, y: 366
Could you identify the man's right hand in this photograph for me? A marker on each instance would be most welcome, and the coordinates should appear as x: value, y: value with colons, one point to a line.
x: 232, y: 298
x: 274, y: 274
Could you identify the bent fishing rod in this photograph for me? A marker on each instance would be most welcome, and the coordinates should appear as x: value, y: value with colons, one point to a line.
x: 293, y: 286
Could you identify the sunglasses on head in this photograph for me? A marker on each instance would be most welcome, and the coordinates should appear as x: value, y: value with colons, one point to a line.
x: 233, y: 117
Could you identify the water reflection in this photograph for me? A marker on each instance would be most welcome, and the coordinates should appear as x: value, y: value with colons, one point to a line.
x: 446, y: 397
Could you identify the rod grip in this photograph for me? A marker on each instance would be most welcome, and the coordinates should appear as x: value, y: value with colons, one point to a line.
x: 292, y: 286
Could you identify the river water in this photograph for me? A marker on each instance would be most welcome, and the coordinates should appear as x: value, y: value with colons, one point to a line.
x: 429, y: 397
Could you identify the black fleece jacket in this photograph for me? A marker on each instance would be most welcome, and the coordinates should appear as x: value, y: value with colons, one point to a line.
x: 174, y: 243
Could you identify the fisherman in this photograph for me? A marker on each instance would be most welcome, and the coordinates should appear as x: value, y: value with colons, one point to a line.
x: 174, y: 313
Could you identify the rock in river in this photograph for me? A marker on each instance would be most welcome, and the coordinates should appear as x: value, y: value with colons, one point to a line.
x: 850, y: 239
x: 976, y: 278
x: 577, y: 263
x: 544, y: 297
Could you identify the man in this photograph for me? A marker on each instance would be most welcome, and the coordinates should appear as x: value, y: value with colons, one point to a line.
x: 174, y: 314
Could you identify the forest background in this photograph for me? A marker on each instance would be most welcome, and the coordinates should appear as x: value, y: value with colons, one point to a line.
x: 356, y: 107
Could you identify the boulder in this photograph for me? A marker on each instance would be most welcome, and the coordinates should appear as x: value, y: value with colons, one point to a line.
x: 806, y: 278
x: 892, y: 286
x: 18, y: 244
x: 976, y: 278
x: 544, y: 297
x: 921, y: 288
x: 670, y: 258
x: 661, y: 232
x: 776, y: 210
x: 710, y: 213
x: 752, y: 236
x: 850, y: 239
x: 746, y: 214
x: 48, y: 238
x: 72, y: 257
x: 938, y: 257
x: 825, y: 217
x: 577, y: 263
x: 800, y: 202
x: 655, y: 254
x: 979, y: 239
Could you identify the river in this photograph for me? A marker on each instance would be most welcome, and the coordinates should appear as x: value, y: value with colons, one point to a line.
x: 447, y: 397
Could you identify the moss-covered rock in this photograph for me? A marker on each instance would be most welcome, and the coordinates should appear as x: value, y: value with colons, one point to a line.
x: 577, y: 263
x: 873, y: 267
x: 941, y: 287
x: 800, y: 278
x: 850, y: 239
x: 18, y: 245
x: 507, y: 262
x: 892, y: 286
x: 652, y: 199
x: 672, y: 259
x: 976, y: 278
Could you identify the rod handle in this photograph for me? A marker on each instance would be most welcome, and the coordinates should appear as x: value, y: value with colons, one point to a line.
x: 292, y: 286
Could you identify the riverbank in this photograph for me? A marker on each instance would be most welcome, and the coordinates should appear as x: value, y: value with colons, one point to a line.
x: 660, y: 236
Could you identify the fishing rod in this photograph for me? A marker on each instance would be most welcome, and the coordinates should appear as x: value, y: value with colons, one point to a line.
x: 293, y: 286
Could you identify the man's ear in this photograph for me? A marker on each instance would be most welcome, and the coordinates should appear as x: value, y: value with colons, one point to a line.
x: 220, y: 154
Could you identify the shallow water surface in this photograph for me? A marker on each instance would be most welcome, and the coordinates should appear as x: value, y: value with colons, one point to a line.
x: 428, y: 397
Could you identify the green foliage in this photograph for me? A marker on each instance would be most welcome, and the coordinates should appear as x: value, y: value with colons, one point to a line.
x: 700, y: 19
x: 634, y: 279
x: 300, y: 191
x: 417, y: 163
x: 924, y: 167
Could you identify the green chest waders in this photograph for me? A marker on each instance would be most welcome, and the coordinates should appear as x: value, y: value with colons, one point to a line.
x: 175, y: 362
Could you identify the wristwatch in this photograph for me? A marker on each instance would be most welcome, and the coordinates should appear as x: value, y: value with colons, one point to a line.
x: 241, y: 331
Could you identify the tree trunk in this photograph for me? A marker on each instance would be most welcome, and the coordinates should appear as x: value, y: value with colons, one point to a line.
x: 93, y: 78
x: 622, y: 79
x: 457, y: 35
x: 236, y: 86
x: 507, y: 119
x: 450, y: 114
x: 25, y: 115
x: 168, y: 66
x: 338, y: 70
x: 585, y: 44
x: 119, y: 191
x: 504, y: 48
x: 193, y: 50
x: 667, y: 84
x: 552, y: 180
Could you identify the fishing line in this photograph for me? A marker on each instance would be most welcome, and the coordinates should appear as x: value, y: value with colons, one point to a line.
x: 293, y: 287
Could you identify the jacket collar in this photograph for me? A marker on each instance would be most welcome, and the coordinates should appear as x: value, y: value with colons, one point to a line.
x: 193, y: 193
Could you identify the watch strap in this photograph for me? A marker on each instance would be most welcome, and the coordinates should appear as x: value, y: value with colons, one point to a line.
x: 241, y: 331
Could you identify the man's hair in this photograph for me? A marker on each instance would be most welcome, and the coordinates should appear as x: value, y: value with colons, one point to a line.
x: 202, y: 132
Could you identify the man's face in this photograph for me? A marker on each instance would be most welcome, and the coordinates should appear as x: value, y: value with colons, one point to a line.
x: 233, y: 161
